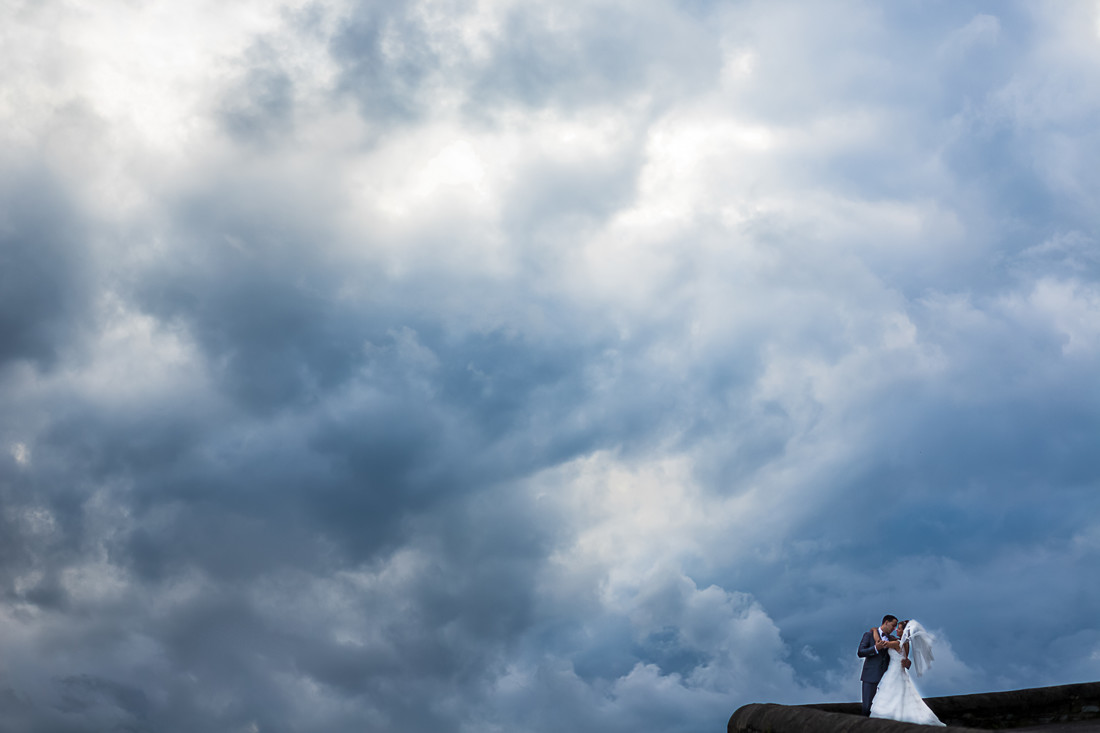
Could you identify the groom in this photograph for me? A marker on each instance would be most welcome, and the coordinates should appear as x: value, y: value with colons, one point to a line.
x: 875, y: 659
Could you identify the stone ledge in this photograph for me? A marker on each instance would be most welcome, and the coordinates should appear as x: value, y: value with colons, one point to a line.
x: 771, y: 718
x: 1039, y: 706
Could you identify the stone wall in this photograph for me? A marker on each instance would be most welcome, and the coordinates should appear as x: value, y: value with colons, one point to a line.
x: 985, y: 711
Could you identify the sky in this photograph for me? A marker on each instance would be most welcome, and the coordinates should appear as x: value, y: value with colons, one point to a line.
x: 487, y: 365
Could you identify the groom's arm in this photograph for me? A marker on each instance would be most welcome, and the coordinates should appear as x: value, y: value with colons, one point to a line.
x: 867, y: 646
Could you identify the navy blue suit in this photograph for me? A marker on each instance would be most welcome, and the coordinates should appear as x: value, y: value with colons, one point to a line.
x: 875, y: 663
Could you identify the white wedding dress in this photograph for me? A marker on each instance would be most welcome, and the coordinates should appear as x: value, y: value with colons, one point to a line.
x: 897, y: 697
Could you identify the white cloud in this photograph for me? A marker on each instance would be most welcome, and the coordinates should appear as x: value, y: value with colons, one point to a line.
x: 20, y: 453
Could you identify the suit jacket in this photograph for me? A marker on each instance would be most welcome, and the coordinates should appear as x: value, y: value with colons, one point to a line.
x: 874, y: 661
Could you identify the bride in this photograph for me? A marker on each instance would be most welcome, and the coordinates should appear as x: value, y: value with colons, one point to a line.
x: 897, y: 697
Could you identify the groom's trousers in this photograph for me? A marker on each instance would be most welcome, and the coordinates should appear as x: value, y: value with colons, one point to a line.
x: 869, y: 690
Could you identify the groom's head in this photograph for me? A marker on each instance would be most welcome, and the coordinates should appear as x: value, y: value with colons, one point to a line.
x: 889, y: 623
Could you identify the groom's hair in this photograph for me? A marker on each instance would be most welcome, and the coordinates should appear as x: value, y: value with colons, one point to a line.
x: 888, y: 617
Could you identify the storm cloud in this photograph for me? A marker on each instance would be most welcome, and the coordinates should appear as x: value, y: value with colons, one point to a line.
x: 593, y: 366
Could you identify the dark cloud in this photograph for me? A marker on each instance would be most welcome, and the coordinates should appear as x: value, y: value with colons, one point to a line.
x: 262, y: 104
x: 44, y: 290
x: 386, y: 59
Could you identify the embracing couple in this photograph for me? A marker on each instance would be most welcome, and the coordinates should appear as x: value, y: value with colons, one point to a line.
x: 888, y: 691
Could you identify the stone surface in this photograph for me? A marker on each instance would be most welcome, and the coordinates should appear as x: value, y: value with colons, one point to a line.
x: 1065, y: 708
x: 769, y: 718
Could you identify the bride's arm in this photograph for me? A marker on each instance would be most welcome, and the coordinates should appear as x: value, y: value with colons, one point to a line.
x: 888, y: 644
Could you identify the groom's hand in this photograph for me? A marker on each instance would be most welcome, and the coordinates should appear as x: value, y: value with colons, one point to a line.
x: 880, y: 644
